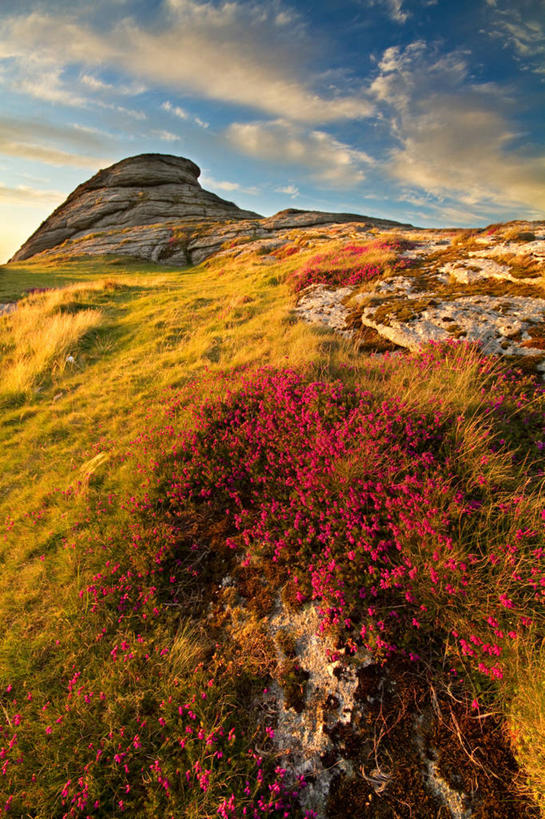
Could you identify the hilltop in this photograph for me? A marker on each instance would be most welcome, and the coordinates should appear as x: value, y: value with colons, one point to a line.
x: 450, y: 284
x: 152, y: 207
x: 272, y: 536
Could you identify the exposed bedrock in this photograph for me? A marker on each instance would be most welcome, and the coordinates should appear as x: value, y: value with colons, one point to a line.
x: 145, y: 190
x: 152, y: 207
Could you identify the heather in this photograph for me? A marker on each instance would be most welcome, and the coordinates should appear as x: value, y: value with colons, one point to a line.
x: 196, y: 490
x: 351, y: 264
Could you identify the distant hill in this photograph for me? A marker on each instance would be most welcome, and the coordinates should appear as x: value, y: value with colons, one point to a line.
x: 152, y: 207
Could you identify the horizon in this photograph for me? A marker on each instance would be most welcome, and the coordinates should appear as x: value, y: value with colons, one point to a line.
x: 416, y: 111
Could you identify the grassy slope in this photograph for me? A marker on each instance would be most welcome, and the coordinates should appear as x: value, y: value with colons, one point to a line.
x: 158, y: 328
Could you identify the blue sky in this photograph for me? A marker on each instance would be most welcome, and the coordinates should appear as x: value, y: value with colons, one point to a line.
x: 428, y: 111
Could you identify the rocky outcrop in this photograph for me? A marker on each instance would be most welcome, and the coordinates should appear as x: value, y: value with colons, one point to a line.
x: 132, y: 208
x: 152, y: 207
x: 483, y: 289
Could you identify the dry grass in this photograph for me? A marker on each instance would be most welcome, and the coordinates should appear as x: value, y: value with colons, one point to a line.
x: 518, y: 234
x: 526, y: 719
x: 521, y: 266
x: 41, y: 337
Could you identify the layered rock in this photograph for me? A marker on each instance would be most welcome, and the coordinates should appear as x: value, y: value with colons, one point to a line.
x: 273, y: 231
x: 132, y: 208
x: 152, y: 207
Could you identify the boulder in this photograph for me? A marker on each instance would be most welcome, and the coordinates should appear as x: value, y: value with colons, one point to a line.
x: 112, y: 206
x: 152, y: 207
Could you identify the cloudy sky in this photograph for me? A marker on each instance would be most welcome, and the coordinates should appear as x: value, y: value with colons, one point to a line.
x: 428, y: 111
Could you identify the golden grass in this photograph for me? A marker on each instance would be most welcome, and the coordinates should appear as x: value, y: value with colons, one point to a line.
x: 41, y: 337
x: 526, y: 718
x: 158, y: 328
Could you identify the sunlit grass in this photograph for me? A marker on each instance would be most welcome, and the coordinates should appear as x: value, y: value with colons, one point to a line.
x: 136, y: 331
x: 43, y: 336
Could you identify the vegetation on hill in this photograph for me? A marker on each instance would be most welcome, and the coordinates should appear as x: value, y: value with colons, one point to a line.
x: 183, y: 458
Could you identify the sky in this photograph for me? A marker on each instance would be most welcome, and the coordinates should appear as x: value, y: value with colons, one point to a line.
x: 426, y: 111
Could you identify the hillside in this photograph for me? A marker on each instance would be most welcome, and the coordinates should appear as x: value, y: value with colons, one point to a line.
x: 152, y: 207
x: 273, y: 524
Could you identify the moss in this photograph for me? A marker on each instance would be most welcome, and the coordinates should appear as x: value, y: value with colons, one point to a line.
x: 293, y: 680
x: 490, y: 287
x: 287, y: 642
x: 456, y: 331
x: 402, y: 310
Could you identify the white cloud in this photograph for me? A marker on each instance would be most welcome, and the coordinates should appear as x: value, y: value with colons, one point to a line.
x: 329, y: 160
x: 130, y: 112
x: 221, y: 185
x: 174, y: 109
x: 121, y: 109
x: 25, y: 195
x: 51, y: 156
x: 96, y: 84
x: 181, y: 113
x: 236, y: 52
x: 290, y: 190
x: 18, y: 138
x: 453, y: 139
x: 166, y: 136
x: 521, y: 27
x: 393, y: 8
x: 42, y: 80
x: 75, y: 134
x: 43, y: 77
x: 91, y: 130
x: 224, y: 185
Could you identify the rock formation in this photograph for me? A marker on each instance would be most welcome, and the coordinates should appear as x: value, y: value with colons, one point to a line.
x: 152, y: 207
x: 131, y: 208
x: 488, y: 288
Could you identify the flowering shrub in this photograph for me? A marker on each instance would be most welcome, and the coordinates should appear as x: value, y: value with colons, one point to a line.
x: 349, y: 265
x: 378, y: 513
x: 361, y: 506
x: 285, y: 251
